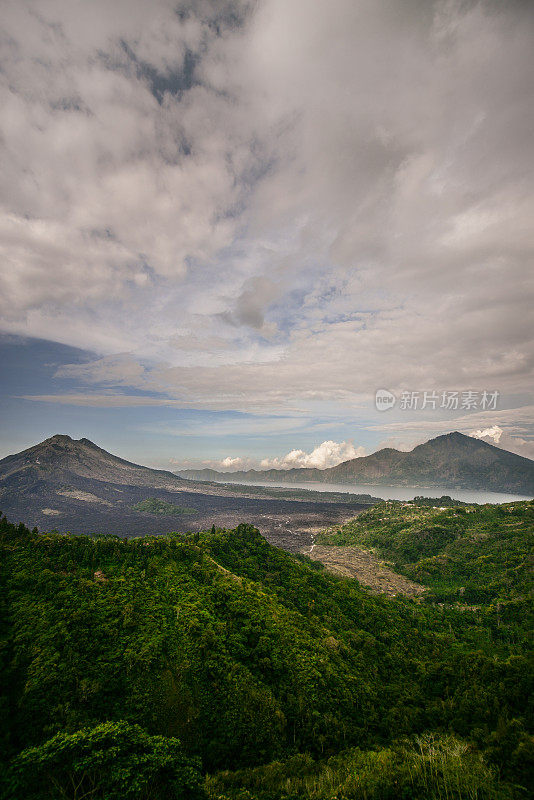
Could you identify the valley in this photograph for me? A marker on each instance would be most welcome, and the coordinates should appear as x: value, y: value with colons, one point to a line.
x: 97, y: 507
x: 73, y: 485
x: 258, y: 643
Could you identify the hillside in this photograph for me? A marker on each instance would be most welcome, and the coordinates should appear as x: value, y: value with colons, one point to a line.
x: 454, y: 460
x: 250, y: 659
x: 468, y: 555
x: 67, y: 484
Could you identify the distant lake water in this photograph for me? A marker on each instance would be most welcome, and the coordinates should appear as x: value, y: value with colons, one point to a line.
x: 398, y: 492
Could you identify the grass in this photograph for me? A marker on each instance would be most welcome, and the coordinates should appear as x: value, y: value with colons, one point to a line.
x: 160, y: 507
x: 427, y: 767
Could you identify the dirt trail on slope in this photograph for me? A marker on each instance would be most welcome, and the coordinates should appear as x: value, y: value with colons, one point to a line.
x: 366, y: 567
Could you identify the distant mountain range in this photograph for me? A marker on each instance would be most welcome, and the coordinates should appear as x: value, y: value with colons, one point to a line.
x: 74, y: 485
x: 454, y: 461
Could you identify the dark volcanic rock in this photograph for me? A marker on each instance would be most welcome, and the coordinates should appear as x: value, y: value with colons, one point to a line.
x: 75, y: 486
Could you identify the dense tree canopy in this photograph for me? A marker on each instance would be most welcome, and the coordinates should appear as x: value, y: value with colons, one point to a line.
x: 220, y: 647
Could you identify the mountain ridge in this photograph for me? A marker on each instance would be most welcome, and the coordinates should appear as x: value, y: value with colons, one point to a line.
x: 453, y: 459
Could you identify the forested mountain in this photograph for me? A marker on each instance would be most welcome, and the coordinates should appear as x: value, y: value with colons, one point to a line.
x: 453, y: 460
x: 150, y: 667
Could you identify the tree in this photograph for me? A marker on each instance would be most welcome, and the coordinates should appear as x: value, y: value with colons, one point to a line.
x: 114, y: 760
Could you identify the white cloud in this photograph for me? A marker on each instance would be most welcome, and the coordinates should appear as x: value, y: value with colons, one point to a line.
x: 494, y: 433
x: 232, y: 463
x: 327, y: 454
x: 228, y: 464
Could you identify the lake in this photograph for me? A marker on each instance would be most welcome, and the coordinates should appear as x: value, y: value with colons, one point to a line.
x: 398, y: 492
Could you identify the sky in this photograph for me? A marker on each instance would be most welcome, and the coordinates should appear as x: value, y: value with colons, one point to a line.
x: 225, y: 225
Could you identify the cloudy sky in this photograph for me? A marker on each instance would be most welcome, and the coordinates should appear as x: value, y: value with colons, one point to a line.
x: 225, y: 224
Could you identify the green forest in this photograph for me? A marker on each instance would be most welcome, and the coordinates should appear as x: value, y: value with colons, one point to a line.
x: 215, y: 666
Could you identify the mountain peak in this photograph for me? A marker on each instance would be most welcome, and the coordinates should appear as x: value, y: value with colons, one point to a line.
x: 449, y: 446
x: 64, y: 440
x: 453, y: 436
x: 58, y: 438
x: 65, y: 459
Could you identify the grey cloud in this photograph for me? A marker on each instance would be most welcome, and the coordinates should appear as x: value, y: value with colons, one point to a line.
x: 88, y: 148
x: 95, y: 400
x: 348, y: 184
x: 250, y: 306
